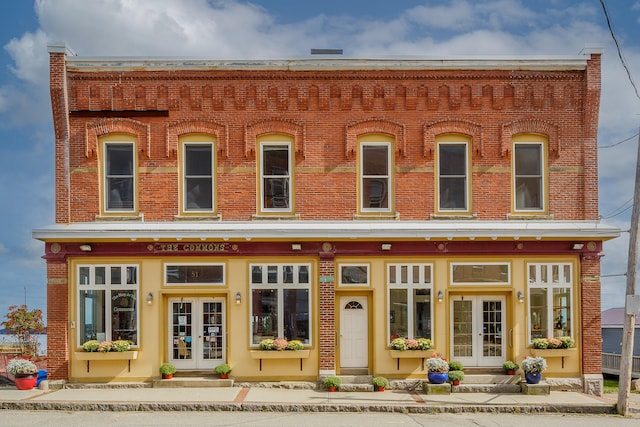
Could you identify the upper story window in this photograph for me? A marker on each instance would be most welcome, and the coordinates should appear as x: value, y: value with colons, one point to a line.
x: 375, y: 176
x: 119, y: 176
x: 453, y: 176
x: 275, y: 176
x: 529, y: 167
x: 198, y: 180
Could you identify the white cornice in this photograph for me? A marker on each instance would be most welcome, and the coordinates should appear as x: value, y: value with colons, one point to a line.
x: 336, y: 230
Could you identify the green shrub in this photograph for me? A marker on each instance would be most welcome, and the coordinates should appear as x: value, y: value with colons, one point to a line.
x: 167, y: 369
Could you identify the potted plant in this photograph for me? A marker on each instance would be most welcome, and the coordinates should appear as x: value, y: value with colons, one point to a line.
x: 223, y: 370
x: 437, y: 370
x: 454, y: 365
x: 167, y: 370
x: 455, y: 377
x: 533, y: 368
x: 332, y: 383
x: 510, y: 367
x: 25, y: 373
x: 379, y: 383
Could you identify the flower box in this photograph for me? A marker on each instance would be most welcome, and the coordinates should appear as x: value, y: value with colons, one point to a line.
x: 554, y: 352
x: 411, y: 354
x: 106, y: 355
x: 276, y: 354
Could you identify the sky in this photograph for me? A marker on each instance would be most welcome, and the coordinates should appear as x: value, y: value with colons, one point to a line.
x: 262, y: 29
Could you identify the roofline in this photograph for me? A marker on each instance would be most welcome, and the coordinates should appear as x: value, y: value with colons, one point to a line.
x: 331, y: 62
x: 281, y: 229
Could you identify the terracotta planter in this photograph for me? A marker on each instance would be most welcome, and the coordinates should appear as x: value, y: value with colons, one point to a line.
x: 511, y: 372
x: 332, y: 388
x: 456, y: 382
x: 380, y: 388
x: 25, y: 381
x: 224, y: 376
x: 167, y: 376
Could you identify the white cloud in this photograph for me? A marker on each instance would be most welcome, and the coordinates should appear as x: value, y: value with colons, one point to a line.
x: 3, y: 249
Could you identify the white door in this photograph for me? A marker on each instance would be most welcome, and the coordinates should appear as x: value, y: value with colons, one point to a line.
x: 197, y: 338
x: 477, y: 330
x: 354, y: 332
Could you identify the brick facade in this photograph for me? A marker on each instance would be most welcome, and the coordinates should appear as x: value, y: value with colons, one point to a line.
x: 324, y: 107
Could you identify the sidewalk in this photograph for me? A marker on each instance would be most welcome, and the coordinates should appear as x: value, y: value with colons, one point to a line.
x: 300, y: 400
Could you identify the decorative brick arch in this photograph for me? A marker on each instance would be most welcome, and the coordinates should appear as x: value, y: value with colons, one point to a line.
x: 550, y: 130
x: 356, y: 129
x: 182, y: 127
x: 100, y: 127
x: 470, y: 129
x: 287, y: 127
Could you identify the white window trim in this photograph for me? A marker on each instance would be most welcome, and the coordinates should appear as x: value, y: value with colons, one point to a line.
x: 185, y: 208
x: 199, y: 264
x: 543, y: 179
x: 104, y: 176
x: 410, y: 286
x: 549, y: 286
x: 467, y: 194
x: 108, y: 288
x: 280, y: 286
x: 453, y: 264
x: 289, y: 176
x: 387, y: 177
x: 358, y: 285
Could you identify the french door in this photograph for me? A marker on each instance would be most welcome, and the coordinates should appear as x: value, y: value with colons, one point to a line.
x: 477, y: 330
x: 197, y: 337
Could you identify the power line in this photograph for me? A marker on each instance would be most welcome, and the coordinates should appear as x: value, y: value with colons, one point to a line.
x: 615, y: 39
x: 621, y: 209
x: 618, y: 143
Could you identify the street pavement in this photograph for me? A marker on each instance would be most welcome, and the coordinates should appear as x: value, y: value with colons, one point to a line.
x: 276, y: 399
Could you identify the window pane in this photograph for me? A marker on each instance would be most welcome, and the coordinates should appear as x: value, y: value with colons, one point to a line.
x: 421, y: 313
x: 375, y: 160
x: 374, y: 193
x: 116, y: 275
x: 198, y: 160
x: 119, y: 176
x: 272, y: 274
x: 256, y: 274
x: 538, y: 322
x: 199, y: 193
x: 132, y: 275
x: 92, y: 324
x: 303, y: 274
x: 101, y: 278
x: 287, y: 274
x: 276, y: 192
x: 296, y: 314
x: 398, y: 316
x: 264, y: 314
x: 561, y: 312
x: 453, y: 193
x: 453, y: 159
x: 85, y: 275
x: 209, y: 274
x: 528, y: 176
x: 123, y: 319
x: 480, y: 273
x: 275, y: 160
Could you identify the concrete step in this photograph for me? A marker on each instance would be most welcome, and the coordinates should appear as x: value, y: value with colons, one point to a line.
x: 356, y: 379
x: 486, y: 388
x: 490, y: 379
x: 177, y: 382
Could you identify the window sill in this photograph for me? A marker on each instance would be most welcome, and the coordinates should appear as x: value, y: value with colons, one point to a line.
x: 412, y: 354
x: 376, y: 216
x: 452, y: 216
x: 120, y: 217
x: 284, y: 354
x: 276, y: 216
x: 553, y: 352
x: 198, y: 217
x: 529, y: 216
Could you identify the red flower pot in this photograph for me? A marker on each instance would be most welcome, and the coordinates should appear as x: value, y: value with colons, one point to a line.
x: 167, y: 376
x: 26, y: 381
x: 224, y: 376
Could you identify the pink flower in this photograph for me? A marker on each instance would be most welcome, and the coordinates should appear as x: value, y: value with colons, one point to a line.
x: 280, y: 344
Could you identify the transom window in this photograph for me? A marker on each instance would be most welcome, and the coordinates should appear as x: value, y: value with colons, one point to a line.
x: 409, y: 288
x: 197, y: 274
x: 280, y: 302
x: 480, y: 273
x: 528, y: 175
x: 108, y: 303
x: 550, y: 300
x: 198, y: 178
x: 275, y: 176
x: 452, y: 176
x: 354, y: 274
x: 119, y: 177
x: 375, y: 177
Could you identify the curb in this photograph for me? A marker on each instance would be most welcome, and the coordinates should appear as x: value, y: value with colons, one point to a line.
x: 290, y: 407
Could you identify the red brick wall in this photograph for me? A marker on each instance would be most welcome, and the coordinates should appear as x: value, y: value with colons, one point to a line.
x: 591, y: 326
x: 322, y: 106
x: 57, y: 320
x: 327, y: 326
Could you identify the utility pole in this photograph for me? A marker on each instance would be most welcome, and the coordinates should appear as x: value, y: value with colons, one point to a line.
x: 624, y: 383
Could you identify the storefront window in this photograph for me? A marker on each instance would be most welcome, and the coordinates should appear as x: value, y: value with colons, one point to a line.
x: 550, y: 296
x: 280, y: 302
x: 107, y: 307
x: 410, y: 308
